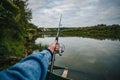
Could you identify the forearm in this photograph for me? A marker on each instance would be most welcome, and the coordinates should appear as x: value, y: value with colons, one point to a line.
x: 34, y: 67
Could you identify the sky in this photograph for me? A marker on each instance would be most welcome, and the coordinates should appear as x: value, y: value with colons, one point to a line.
x: 75, y: 13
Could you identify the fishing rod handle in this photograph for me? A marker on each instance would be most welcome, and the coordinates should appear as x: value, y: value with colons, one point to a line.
x: 56, y: 39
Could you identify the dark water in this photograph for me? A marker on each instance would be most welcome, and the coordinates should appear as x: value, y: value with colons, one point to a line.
x: 88, y: 59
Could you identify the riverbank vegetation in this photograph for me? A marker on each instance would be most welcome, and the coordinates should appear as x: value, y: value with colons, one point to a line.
x: 100, y: 31
x: 16, y: 31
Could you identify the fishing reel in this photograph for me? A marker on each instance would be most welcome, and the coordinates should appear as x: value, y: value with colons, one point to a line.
x: 61, y: 49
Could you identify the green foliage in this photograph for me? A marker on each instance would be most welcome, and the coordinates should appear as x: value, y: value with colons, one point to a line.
x: 25, y: 13
x: 100, y: 31
x: 39, y: 47
x: 14, y: 17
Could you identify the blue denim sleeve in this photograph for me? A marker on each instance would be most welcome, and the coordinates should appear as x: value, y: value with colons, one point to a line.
x: 33, y: 67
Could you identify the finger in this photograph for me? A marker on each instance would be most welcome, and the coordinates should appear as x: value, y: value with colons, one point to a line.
x: 57, y: 48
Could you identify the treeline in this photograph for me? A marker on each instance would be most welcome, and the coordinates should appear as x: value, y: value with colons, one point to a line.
x: 15, y: 27
x: 100, y: 31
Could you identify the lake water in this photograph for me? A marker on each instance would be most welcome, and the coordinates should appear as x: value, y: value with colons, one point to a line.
x: 88, y: 59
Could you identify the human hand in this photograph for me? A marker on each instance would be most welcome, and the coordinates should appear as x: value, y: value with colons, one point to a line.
x: 54, y: 47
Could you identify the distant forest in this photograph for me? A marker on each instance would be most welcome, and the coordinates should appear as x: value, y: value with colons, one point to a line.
x: 100, y: 31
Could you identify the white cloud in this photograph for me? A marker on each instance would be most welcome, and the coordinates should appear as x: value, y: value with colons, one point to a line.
x: 75, y: 12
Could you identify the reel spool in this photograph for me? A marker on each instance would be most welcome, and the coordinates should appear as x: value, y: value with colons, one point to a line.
x: 61, y: 49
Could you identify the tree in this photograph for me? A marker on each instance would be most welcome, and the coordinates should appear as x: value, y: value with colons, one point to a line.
x: 14, y: 20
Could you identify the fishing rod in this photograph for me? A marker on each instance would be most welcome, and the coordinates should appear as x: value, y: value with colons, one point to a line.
x: 61, y: 47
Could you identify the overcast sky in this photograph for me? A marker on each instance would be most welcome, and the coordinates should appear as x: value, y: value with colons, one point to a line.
x: 76, y: 13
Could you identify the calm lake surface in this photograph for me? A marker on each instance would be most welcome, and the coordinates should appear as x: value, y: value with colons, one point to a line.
x: 88, y: 59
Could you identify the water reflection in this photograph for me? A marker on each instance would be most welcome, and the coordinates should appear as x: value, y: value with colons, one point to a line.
x: 89, y: 59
